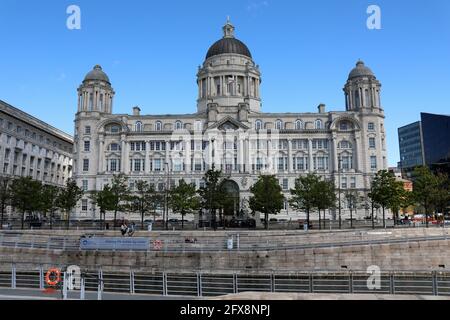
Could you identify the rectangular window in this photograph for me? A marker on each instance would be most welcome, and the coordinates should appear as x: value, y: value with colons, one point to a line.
x: 285, y: 184
x: 344, y: 183
x: 114, y: 165
x: 84, y: 205
x: 87, y: 130
x: 373, y: 162
x: 372, y: 143
x: 353, y: 182
x: 137, y: 165
x: 85, y: 186
x: 198, y: 165
x: 85, y: 165
x: 157, y: 165
x: 347, y: 163
x: 371, y: 126
x: 87, y: 146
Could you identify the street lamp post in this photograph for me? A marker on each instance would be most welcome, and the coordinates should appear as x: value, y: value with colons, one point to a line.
x: 166, y: 201
x: 339, y: 191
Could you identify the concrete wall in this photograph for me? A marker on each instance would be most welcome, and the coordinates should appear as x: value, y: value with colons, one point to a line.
x: 412, y: 255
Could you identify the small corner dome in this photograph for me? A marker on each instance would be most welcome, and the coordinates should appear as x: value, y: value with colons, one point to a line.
x: 361, y: 71
x: 97, y: 74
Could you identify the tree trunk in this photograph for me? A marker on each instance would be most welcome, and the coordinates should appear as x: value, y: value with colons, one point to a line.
x: 182, y: 220
x: 266, y: 216
x: 351, y: 218
x: 68, y: 220
x: 3, y: 210
x: 426, y: 215
x: 23, y: 219
x: 142, y: 220
x: 320, y: 221
x: 373, y: 221
x: 115, y: 218
x: 51, y: 220
x: 307, y: 219
x: 384, y: 218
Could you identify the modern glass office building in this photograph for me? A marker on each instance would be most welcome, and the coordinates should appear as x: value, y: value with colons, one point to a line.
x: 426, y: 142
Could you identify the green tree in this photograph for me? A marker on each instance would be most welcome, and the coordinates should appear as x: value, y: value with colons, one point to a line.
x: 184, y: 199
x: 400, y: 198
x: 326, y: 191
x: 267, y: 197
x: 383, y: 191
x: 120, y: 194
x: 69, y: 197
x: 103, y: 199
x: 425, y: 189
x: 352, y: 200
x: 305, y: 195
x: 49, y: 201
x: 5, y: 196
x: 25, y: 196
x: 143, y: 199
x: 211, y: 193
x: 442, y: 195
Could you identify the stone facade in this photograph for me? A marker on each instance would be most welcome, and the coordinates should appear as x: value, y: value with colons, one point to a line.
x: 32, y: 148
x: 230, y: 131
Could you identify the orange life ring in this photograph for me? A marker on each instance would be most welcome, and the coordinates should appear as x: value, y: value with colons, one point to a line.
x: 57, y: 274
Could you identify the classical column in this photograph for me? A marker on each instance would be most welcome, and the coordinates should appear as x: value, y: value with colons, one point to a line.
x: 167, y: 156
x: 147, y: 156
x: 290, y: 160
x: 310, y: 156
x: 335, y: 154
x: 358, y: 153
x: 187, y: 155
x: 101, y: 154
x: 124, y: 158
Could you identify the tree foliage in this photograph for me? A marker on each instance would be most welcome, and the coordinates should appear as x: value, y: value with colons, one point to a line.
x: 120, y: 194
x: 267, y: 197
x: 69, y: 197
x: 184, y: 199
x: 310, y: 193
x: 211, y: 193
x: 25, y: 196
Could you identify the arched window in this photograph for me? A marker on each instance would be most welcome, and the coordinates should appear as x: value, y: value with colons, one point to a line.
x: 158, y: 126
x: 279, y: 125
x: 298, y: 125
x: 258, y: 125
x: 319, y: 124
x: 114, y: 147
x: 178, y: 125
x: 138, y: 126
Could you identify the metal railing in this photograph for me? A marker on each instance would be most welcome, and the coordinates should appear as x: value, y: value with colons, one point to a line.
x: 202, y: 284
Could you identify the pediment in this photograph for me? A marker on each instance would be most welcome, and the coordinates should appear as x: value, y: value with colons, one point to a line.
x: 228, y: 123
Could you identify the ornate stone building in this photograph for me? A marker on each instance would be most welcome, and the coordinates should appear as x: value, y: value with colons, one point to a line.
x: 30, y: 147
x: 230, y: 131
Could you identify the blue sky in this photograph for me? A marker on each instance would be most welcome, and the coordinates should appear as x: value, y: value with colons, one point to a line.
x: 151, y: 50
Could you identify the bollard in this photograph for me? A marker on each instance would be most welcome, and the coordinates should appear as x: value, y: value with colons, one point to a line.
x: 82, y: 290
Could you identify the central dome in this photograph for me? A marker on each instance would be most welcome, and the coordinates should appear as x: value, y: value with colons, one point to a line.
x: 228, y: 44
